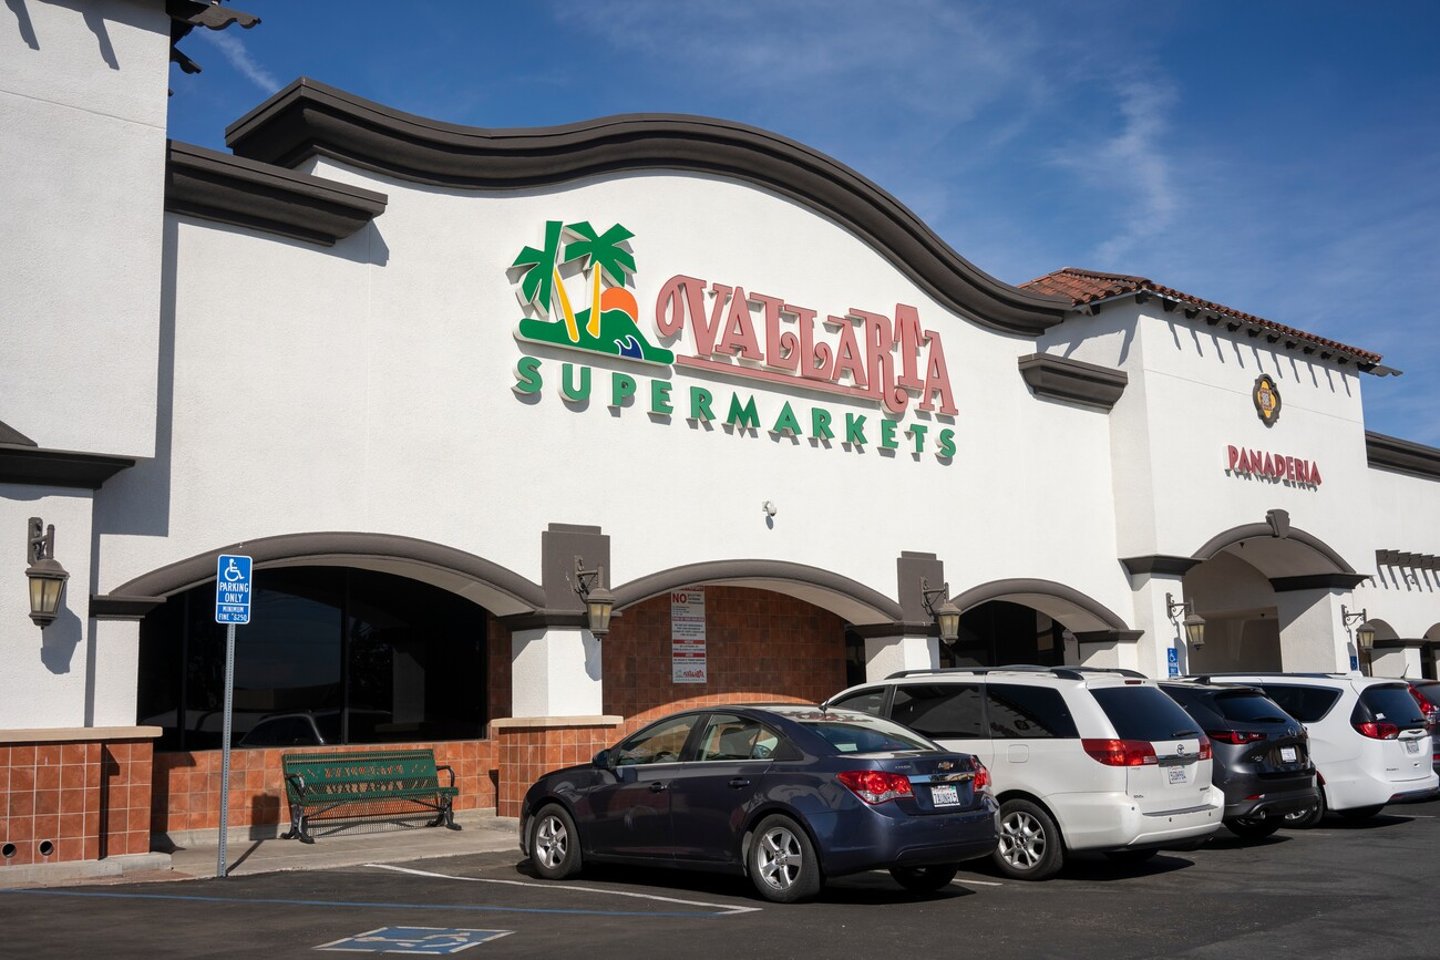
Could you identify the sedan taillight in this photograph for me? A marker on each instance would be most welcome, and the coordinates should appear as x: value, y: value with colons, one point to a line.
x: 875, y: 786
x: 982, y: 775
x: 1121, y: 753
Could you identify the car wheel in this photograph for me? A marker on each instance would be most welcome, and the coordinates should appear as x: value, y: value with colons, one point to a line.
x: 782, y: 861
x: 1360, y: 813
x: 1253, y: 828
x: 555, y: 843
x: 1131, y: 856
x: 1029, y: 847
x: 924, y: 879
x: 1307, y: 818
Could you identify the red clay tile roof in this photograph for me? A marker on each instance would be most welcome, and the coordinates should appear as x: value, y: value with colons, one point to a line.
x: 1091, y: 286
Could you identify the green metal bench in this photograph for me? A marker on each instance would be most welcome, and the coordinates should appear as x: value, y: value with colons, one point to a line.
x: 382, y: 781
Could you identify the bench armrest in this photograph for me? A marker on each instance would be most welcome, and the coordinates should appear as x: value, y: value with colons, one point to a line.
x: 448, y: 769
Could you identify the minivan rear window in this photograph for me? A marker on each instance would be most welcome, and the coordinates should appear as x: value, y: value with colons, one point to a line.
x: 1306, y: 704
x: 1392, y: 704
x: 1144, y: 713
x: 1020, y: 712
x: 944, y: 711
x: 1249, y: 707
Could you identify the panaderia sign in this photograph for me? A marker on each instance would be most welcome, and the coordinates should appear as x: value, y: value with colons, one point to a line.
x: 884, y: 360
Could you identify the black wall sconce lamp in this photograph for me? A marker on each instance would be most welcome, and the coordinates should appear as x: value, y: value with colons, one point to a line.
x: 947, y: 615
x: 47, y: 578
x: 599, y: 602
x: 1193, y: 623
x: 1364, y: 634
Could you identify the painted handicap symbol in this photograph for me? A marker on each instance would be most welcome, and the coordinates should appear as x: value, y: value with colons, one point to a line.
x: 426, y: 941
x: 233, y: 573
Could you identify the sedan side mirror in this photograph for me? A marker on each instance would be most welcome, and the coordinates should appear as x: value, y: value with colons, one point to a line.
x: 602, y: 760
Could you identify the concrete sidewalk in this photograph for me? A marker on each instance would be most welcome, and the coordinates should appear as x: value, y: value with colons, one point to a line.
x: 197, y: 855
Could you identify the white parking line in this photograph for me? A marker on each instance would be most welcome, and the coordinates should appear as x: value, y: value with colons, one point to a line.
x: 981, y: 883
x: 726, y: 909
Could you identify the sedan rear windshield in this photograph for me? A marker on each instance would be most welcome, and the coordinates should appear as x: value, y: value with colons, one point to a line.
x: 1392, y: 704
x: 1248, y: 707
x: 1144, y: 713
x: 868, y: 735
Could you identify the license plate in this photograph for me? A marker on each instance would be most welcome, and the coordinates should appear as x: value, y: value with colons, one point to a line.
x: 1412, y: 746
x: 944, y: 795
x: 1288, y: 754
x: 1178, y: 775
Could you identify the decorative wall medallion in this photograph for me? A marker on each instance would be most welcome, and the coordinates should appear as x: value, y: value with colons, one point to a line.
x: 1267, y: 399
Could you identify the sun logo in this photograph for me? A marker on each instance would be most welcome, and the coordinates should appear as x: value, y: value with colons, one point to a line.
x: 610, y: 324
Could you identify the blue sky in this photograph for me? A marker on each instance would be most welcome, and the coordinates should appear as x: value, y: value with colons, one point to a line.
x: 1282, y: 158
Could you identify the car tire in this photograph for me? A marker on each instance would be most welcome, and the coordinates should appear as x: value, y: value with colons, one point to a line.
x: 782, y: 862
x: 1356, y: 814
x: 1029, y: 847
x: 1131, y: 856
x: 1307, y: 818
x: 1253, y: 828
x: 555, y: 843
x: 924, y: 879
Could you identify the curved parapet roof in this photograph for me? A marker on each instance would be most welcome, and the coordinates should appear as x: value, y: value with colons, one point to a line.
x: 309, y: 118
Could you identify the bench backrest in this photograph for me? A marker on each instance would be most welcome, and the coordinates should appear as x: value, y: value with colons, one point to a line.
x: 373, y: 773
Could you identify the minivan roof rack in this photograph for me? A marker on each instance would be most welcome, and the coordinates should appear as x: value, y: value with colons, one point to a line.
x: 1208, y: 677
x: 1064, y: 673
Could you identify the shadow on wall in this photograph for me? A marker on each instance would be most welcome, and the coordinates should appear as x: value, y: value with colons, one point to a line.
x: 59, y: 640
x: 86, y: 8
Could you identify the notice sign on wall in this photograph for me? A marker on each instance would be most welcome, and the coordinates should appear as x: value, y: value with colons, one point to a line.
x: 687, y: 636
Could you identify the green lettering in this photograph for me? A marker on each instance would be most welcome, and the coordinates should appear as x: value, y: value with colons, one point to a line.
x: 947, y: 444
x: 743, y: 416
x: 918, y: 431
x: 527, y: 376
x: 786, y: 422
x: 887, y: 435
x: 820, y: 424
x: 855, y: 429
x: 700, y: 400
x: 660, y: 398
x: 568, y: 389
x: 622, y: 388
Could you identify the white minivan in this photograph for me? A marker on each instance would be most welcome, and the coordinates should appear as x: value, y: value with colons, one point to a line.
x: 1368, y: 739
x: 1080, y: 759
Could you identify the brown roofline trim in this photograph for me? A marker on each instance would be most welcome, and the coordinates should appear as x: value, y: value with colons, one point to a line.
x: 341, y: 549
x: 1000, y: 589
x: 1075, y: 381
x: 216, y: 186
x: 1392, y: 453
x: 24, y: 463
x: 1253, y: 531
x: 309, y: 118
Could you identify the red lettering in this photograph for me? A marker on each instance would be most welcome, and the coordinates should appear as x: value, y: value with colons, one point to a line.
x: 908, y: 333
x: 937, y: 378
x: 1234, y: 457
x: 779, y: 353
x: 847, y: 353
x: 738, y: 337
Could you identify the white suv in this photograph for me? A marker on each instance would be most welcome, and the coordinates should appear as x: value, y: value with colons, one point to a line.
x: 1367, y: 737
x: 1081, y: 759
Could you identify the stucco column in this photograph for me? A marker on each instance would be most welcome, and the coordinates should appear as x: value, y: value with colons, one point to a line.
x: 1152, y: 650
x: 887, y: 655
x: 555, y: 672
x: 116, y: 672
x: 1398, y: 658
x: 1311, y: 637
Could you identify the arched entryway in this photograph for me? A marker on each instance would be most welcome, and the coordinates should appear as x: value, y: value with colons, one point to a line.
x: 1031, y: 621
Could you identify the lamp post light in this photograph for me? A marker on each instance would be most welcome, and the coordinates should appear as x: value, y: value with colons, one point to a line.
x: 599, y: 602
x: 1193, y: 624
x: 47, y: 578
x: 1364, y: 634
x: 947, y: 615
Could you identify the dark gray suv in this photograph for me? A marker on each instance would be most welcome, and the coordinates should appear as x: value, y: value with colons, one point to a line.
x: 1261, y: 753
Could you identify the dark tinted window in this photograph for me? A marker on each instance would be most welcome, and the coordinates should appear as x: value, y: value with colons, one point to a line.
x: 1306, y: 704
x: 1391, y: 704
x: 662, y: 743
x: 866, y: 701
x: 943, y: 711
x: 1144, y: 713
x: 1029, y: 712
x: 728, y: 737
x: 868, y: 735
x: 1249, y: 707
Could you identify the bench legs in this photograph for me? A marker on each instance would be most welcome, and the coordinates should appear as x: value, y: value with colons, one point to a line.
x: 446, y: 816
x: 297, y: 829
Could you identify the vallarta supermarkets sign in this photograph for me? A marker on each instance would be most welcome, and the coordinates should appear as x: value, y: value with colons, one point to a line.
x: 885, y: 360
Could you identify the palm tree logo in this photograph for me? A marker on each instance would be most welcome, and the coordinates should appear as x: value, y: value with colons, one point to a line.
x: 610, y: 324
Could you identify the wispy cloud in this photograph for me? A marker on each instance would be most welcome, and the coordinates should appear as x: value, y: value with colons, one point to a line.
x: 233, y: 48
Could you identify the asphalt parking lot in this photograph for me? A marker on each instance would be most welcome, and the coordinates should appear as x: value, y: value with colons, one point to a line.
x: 1341, y: 890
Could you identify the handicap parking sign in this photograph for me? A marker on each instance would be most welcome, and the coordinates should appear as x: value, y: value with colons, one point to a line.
x: 232, y: 589
x: 426, y: 941
x: 1172, y: 661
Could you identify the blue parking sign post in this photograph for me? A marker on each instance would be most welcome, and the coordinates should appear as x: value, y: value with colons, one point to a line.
x: 232, y: 606
x: 1172, y: 662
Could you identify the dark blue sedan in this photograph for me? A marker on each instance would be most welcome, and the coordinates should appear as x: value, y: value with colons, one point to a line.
x: 788, y: 794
